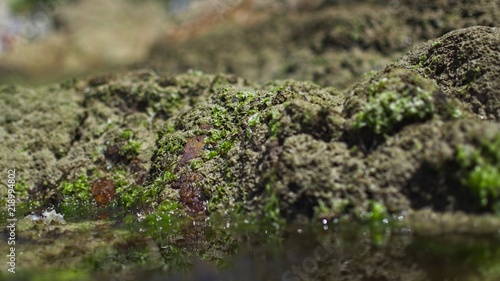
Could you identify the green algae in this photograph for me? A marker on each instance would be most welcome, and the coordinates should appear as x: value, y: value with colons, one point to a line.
x: 460, y: 73
x: 77, y: 200
x: 387, y: 109
x: 393, y: 99
x: 264, y: 156
x: 480, y: 171
x: 272, y: 212
x: 233, y: 127
x: 233, y: 123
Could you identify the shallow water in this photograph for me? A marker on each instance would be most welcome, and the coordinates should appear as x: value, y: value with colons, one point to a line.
x: 207, y: 250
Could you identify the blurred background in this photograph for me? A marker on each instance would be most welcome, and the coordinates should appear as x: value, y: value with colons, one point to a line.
x: 331, y: 42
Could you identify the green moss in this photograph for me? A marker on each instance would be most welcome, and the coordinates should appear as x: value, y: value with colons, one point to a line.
x: 330, y: 208
x: 225, y: 146
x: 274, y: 123
x: 219, y: 117
x: 78, y: 190
x: 196, y: 164
x: 77, y: 199
x: 23, y: 5
x: 272, y: 213
x: 480, y: 171
x: 149, y: 194
x: 22, y: 188
x: 387, y: 110
x: 254, y: 120
x: 377, y: 211
x: 127, y: 134
x: 222, y: 149
x: 217, y: 197
x: 25, y: 205
x: 128, y: 196
x: 169, y: 177
x: 212, y: 154
x: 244, y: 98
x: 171, y: 144
x: 436, y: 44
x: 422, y: 60
x: 132, y: 147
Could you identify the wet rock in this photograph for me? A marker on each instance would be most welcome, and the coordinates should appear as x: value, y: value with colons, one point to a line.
x: 465, y: 65
x: 399, y: 140
x: 103, y: 190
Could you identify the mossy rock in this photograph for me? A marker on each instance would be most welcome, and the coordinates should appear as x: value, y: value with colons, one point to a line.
x: 465, y: 65
x: 282, y: 150
x: 215, y: 148
x: 382, y: 104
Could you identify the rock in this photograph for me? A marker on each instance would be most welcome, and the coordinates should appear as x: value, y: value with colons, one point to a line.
x: 465, y: 64
x: 399, y: 140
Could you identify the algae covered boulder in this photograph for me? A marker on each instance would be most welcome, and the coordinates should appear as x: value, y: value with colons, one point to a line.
x: 223, y: 151
x: 188, y: 166
x: 465, y: 65
x: 398, y: 140
x: 401, y: 139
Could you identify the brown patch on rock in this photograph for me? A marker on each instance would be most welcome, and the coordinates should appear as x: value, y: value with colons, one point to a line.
x: 190, y: 194
x: 193, y: 149
x: 192, y: 197
x: 206, y: 126
x: 112, y: 153
x: 103, y: 190
x: 136, y: 168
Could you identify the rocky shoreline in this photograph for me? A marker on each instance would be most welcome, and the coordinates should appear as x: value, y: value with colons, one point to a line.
x: 422, y: 133
x: 176, y: 169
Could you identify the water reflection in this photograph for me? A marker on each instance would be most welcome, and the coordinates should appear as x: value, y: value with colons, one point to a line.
x: 224, y: 249
x: 342, y: 252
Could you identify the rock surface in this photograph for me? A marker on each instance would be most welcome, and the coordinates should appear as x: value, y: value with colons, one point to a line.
x: 192, y: 168
x: 405, y: 138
